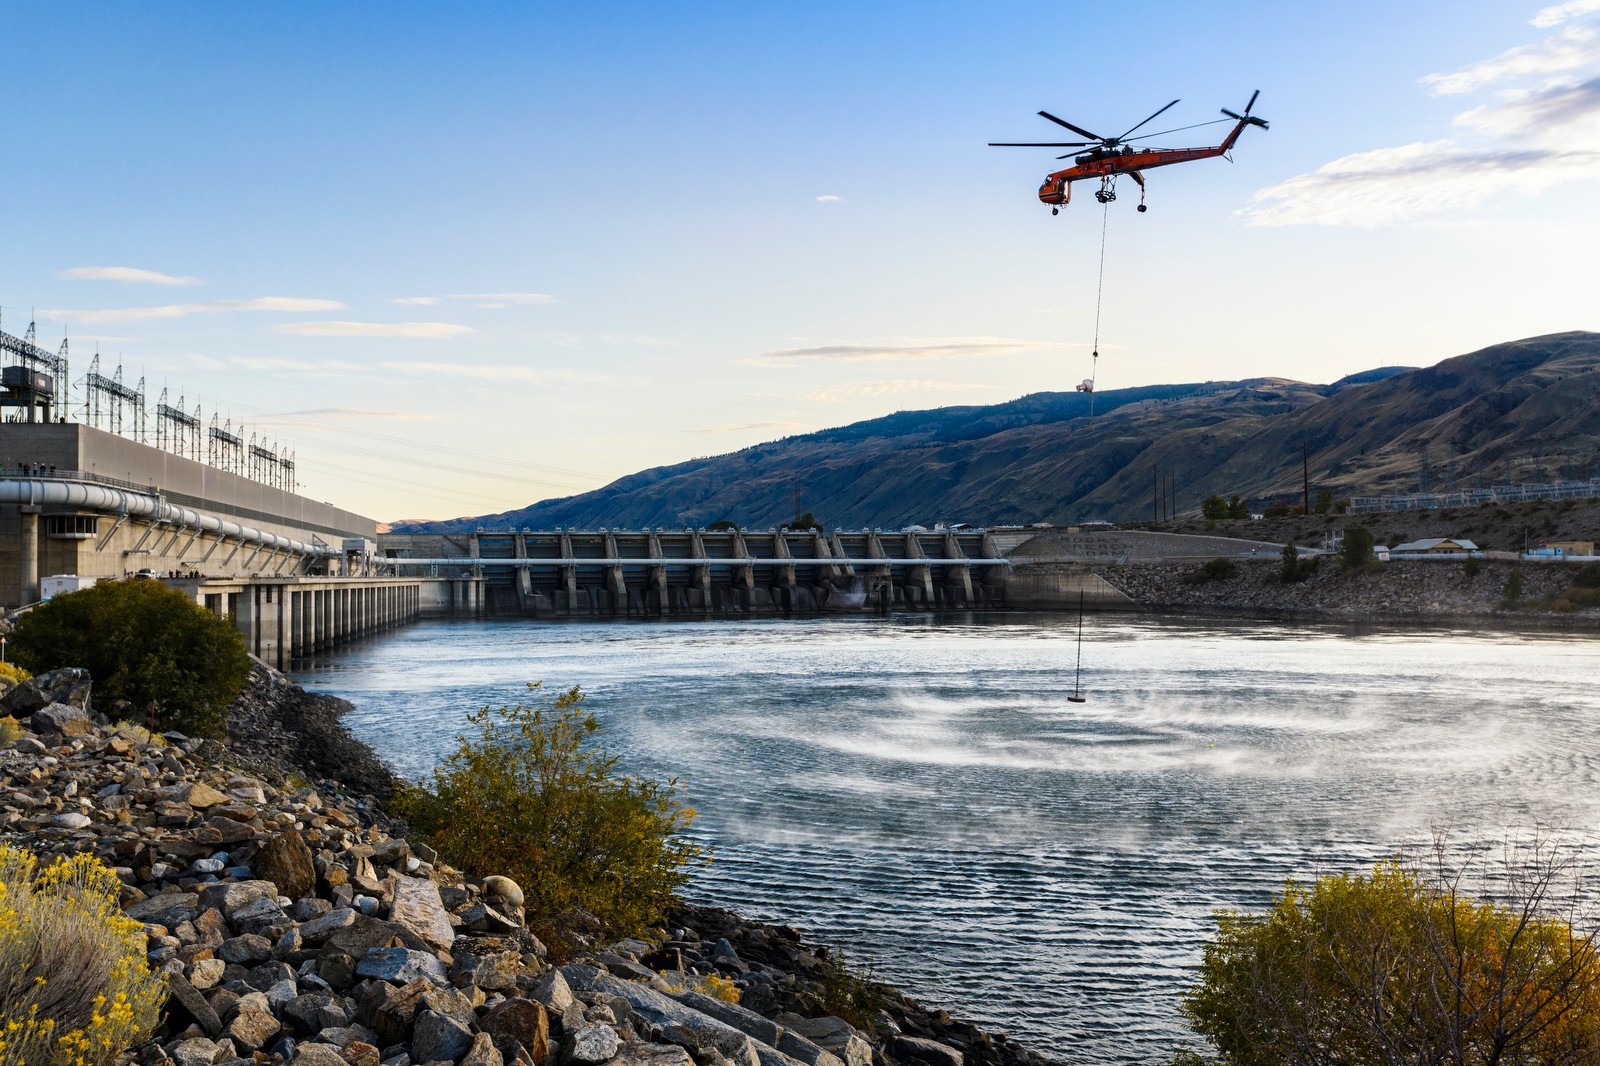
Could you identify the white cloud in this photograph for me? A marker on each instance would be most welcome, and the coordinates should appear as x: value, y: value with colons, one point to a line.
x: 492, y: 301
x: 829, y: 198
x: 639, y: 340
x: 133, y: 274
x: 1572, y: 49
x: 1559, y: 13
x: 860, y: 389
x: 1539, y: 129
x: 902, y: 350
x: 210, y: 307
x: 426, y: 330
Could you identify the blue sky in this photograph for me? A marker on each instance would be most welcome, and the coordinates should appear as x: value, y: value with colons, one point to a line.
x: 464, y: 258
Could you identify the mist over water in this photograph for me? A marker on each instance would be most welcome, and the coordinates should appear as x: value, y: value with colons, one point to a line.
x: 921, y: 791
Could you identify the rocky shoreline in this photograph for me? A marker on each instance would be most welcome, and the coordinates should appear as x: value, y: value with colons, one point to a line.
x: 1437, y: 593
x: 298, y: 923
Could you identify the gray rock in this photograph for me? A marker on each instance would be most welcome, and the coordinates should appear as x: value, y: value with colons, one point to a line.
x: 205, y: 973
x: 196, y: 1051
x: 317, y: 930
x: 58, y: 719
x: 305, y: 1012
x: 502, y: 888
x: 402, y: 966
x: 740, y: 1018
x: 262, y: 916
x: 837, y: 1036
x: 438, y: 1037
x: 70, y: 685
x: 29, y: 746
x: 170, y: 909
x: 190, y: 1004
x: 71, y: 820
x: 317, y: 1054
x: 639, y: 1053
x: 914, y: 1049
x: 417, y: 907
x: 664, y: 1012
x: 344, y: 1036
x: 280, y: 994
x: 552, y: 990
x: 247, y: 950
x: 591, y: 1045
x: 230, y: 896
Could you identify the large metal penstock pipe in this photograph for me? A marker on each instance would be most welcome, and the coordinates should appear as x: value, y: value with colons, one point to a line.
x: 102, y: 498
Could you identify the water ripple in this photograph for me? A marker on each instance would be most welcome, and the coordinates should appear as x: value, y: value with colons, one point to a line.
x: 921, y: 791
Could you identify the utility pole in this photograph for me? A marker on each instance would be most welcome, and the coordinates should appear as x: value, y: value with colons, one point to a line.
x: 1172, y: 494
x: 1155, y: 491
x: 1305, y: 475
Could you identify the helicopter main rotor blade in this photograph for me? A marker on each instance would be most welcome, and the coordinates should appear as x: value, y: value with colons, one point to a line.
x: 1233, y: 114
x: 1039, y: 144
x: 1079, y: 130
x: 1180, y: 129
x: 1252, y: 102
x: 1125, y: 135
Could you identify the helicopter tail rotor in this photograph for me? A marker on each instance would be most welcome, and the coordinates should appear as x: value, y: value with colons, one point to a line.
x: 1247, y: 117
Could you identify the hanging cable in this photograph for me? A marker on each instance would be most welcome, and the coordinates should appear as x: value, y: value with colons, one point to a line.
x: 1100, y: 288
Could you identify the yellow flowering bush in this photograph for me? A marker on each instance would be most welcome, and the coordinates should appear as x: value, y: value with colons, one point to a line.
x: 13, y: 673
x: 74, y: 986
x: 9, y: 731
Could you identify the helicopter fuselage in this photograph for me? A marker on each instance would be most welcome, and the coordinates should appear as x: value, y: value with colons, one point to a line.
x: 1104, y: 162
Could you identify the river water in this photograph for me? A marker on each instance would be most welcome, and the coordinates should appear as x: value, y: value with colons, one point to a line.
x: 920, y: 790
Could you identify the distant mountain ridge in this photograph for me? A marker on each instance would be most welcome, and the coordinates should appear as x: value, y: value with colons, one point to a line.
x: 1504, y: 413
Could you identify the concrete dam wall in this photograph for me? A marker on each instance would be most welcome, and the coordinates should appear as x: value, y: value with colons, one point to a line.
x: 653, y: 573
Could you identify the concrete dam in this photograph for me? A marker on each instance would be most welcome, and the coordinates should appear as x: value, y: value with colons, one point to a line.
x: 660, y: 573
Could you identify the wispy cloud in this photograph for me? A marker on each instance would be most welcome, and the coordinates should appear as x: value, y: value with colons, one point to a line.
x: 488, y: 300
x: 753, y: 427
x: 1559, y: 13
x: 493, y: 374
x: 209, y: 307
x: 1540, y: 128
x: 859, y: 389
x: 1574, y: 48
x: 133, y: 274
x: 902, y: 350
x: 426, y: 330
x: 829, y: 198
x: 352, y: 414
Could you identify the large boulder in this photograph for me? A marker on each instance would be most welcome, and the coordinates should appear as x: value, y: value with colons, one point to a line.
x: 285, y: 860
x: 70, y: 685
x: 61, y: 719
x: 417, y: 907
x: 439, y: 1038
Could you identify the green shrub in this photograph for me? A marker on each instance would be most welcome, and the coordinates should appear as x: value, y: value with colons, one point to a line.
x: 1588, y: 576
x: 1473, y: 566
x: 1584, y: 597
x: 1511, y: 592
x: 849, y: 992
x: 75, y: 989
x: 145, y: 643
x: 1295, y: 568
x: 1356, y: 551
x: 722, y: 524
x: 533, y: 795
x: 1218, y: 569
x: 1398, y: 967
x: 1213, y: 508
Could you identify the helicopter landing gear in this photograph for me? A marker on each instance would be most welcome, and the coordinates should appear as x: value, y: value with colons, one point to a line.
x: 1138, y: 177
x: 1055, y: 210
x: 1143, y: 208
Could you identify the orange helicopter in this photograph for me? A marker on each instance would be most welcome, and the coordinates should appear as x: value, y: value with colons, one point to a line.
x: 1109, y: 156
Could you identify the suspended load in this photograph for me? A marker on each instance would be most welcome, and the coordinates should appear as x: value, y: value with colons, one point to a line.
x: 1086, y: 385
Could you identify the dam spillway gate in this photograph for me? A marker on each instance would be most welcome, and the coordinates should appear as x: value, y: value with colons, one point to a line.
x: 650, y: 573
